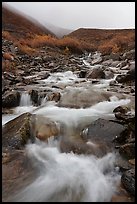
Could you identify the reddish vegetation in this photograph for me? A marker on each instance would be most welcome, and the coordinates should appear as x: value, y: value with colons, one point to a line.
x: 30, y: 37
x: 8, y: 56
x: 106, y: 41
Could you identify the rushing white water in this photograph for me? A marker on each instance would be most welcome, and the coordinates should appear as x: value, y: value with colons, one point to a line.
x: 66, y: 177
x: 61, y: 78
x: 25, y: 99
x: 25, y: 106
x: 74, y: 117
x: 7, y: 117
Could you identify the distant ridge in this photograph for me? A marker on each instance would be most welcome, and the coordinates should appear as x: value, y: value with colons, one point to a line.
x: 19, y: 24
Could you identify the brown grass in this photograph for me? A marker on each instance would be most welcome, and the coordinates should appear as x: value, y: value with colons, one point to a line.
x: 106, y: 41
x: 9, y: 66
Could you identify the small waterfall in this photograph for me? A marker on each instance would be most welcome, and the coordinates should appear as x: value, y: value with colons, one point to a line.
x: 25, y: 99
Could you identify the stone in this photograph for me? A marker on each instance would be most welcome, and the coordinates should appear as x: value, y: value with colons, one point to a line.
x: 43, y: 127
x: 127, y: 150
x: 130, y: 55
x: 16, y: 132
x: 82, y: 73
x: 128, y: 180
x: 96, y: 73
x: 103, y: 130
x: 121, y: 109
x: 34, y: 96
x: 10, y: 99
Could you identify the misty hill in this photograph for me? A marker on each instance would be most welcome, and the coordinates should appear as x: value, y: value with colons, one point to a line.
x: 58, y: 31
x: 20, y: 25
x: 106, y: 38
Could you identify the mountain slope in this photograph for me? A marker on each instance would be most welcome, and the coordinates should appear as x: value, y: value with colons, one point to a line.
x: 58, y: 31
x: 19, y: 25
x: 102, y: 38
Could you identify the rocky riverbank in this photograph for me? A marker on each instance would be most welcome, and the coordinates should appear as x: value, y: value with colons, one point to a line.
x: 92, y: 100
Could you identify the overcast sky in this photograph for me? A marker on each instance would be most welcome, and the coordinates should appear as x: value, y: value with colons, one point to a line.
x: 74, y: 15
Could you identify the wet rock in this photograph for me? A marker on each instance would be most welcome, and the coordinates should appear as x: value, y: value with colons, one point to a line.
x: 120, y: 78
x: 109, y: 74
x: 132, y: 161
x: 28, y: 81
x: 34, y: 96
x: 78, y: 98
x: 96, y: 73
x: 130, y: 55
x: 115, y: 63
x: 17, y: 173
x: 128, y: 150
x: 97, y: 60
x: 130, y: 76
x: 115, y: 56
x: 128, y: 180
x: 122, y: 64
x: 55, y: 96
x: 16, y: 133
x: 10, y: 99
x: 122, y: 164
x: 102, y: 131
x: 43, y: 127
x: 81, y: 147
x: 7, y: 111
x: 121, y: 109
x: 45, y: 75
x: 107, y: 62
x: 82, y: 73
x: 125, y: 117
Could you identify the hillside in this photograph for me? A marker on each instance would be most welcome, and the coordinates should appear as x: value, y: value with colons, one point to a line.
x: 58, y: 31
x: 105, y: 40
x: 19, y: 25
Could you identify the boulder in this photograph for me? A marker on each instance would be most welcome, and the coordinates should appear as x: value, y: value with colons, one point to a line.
x: 96, y: 73
x: 82, y: 73
x: 127, y: 150
x: 79, y: 98
x: 129, y: 77
x: 16, y: 132
x: 109, y: 74
x: 34, y: 96
x: 43, y: 127
x: 130, y: 55
x: 128, y: 180
x: 10, y: 99
x: 121, y: 109
x: 103, y: 131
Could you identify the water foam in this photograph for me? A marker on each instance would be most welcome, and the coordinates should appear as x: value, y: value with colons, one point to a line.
x: 67, y: 177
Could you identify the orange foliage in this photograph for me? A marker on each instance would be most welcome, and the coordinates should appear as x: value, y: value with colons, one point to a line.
x: 8, y: 66
x: 114, y: 42
x: 25, y: 49
x: 8, y: 56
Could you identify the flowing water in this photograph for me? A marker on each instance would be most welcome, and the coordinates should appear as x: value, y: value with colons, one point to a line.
x: 68, y: 177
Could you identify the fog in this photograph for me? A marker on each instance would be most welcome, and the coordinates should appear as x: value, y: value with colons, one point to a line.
x: 74, y: 15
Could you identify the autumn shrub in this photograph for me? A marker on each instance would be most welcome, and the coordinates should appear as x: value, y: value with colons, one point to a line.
x: 42, y: 40
x: 25, y: 49
x: 8, y: 66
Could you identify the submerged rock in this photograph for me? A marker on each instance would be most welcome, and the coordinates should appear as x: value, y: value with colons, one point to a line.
x: 43, y: 127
